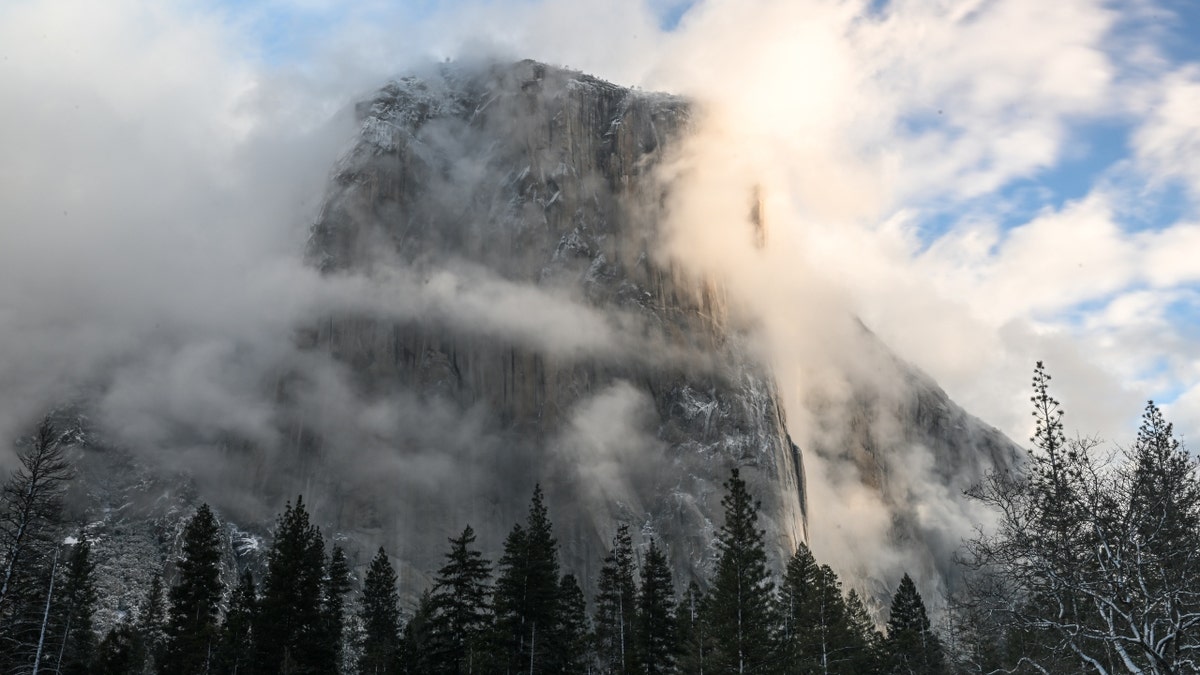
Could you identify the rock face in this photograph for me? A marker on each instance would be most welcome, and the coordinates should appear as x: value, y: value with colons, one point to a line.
x: 539, y: 177
x: 509, y: 212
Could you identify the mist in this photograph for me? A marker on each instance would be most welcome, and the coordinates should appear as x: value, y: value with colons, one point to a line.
x: 161, y: 176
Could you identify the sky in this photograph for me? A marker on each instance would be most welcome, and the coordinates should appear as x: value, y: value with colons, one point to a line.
x: 984, y: 183
x: 1032, y: 171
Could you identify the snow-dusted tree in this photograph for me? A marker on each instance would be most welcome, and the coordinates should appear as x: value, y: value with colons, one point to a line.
x: 1095, y: 562
x: 30, y: 506
x: 30, y: 512
x: 74, y: 635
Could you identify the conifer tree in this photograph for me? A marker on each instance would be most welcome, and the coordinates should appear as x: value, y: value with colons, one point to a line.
x: 574, y: 632
x: 656, y: 615
x: 798, y: 607
x: 911, y: 646
x: 30, y: 512
x: 379, y: 612
x: 118, y: 652
x: 1164, y: 510
x: 149, y: 630
x: 740, y: 607
x: 237, y: 647
x: 460, y: 608
x: 691, y: 632
x: 526, y: 596
x: 413, y: 654
x: 195, y: 599
x: 616, y: 607
x: 863, y: 653
x: 77, y: 604
x: 333, y: 610
x: 289, y: 626
x: 817, y: 635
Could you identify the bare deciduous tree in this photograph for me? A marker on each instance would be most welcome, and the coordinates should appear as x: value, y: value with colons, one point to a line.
x: 1095, y: 555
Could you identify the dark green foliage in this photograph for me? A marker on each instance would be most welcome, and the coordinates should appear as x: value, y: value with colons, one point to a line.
x: 236, y: 651
x: 817, y: 636
x: 333, y: 610
x: 413, y: 654
x: 573, y: 633
x: 526, y: 597
x: 379, y: 612
x: 150, y: 629
x: 655, y: 635
x: 194, y: 600
x: 862, y: 654
x: 616, y: 607
x: 75, y: 605
x: 692, y: 636
x: 740, y: 609
x: 289, y: 626
x: 460, y: 605
x: 911, y: 646
x: 118, y: 653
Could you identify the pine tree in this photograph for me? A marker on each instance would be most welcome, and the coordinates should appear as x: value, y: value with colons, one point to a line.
x: 195, y: 599
x: 911, y: 646
x: 573, y: 633
x: 150, y: 635
x: 817, y: 635
x: 288, y: 629
x: 798, y: 604
x: 526, y: 597
x: 1055, y: 471
x: 694, y: 640
x: 77, y: 604
x: 379, y: 612
x: 656, y: 615
x: 863, y: 654
x: 237, y: 648
x: 740, y: 607
x: 118, y: 653
x: 461, y: 608
x: 30, y: 512
x: 616, y: 607
x: 1164, y: 498
x: 412, y: 654
x: 333, y: 610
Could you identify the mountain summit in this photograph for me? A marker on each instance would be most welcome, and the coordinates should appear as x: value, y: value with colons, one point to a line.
x: 507, y: 319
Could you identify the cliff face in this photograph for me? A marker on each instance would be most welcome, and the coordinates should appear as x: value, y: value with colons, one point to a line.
x: 539, y: 177
x: 511, y: 212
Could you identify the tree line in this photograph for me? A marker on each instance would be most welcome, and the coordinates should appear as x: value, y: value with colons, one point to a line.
x: 1093, y: 567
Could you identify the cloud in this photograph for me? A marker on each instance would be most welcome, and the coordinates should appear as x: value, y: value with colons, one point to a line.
x: 163, y: 162
x: 1168, y: 141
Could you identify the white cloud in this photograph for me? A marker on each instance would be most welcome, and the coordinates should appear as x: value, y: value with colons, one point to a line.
x: 1168, y: 142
